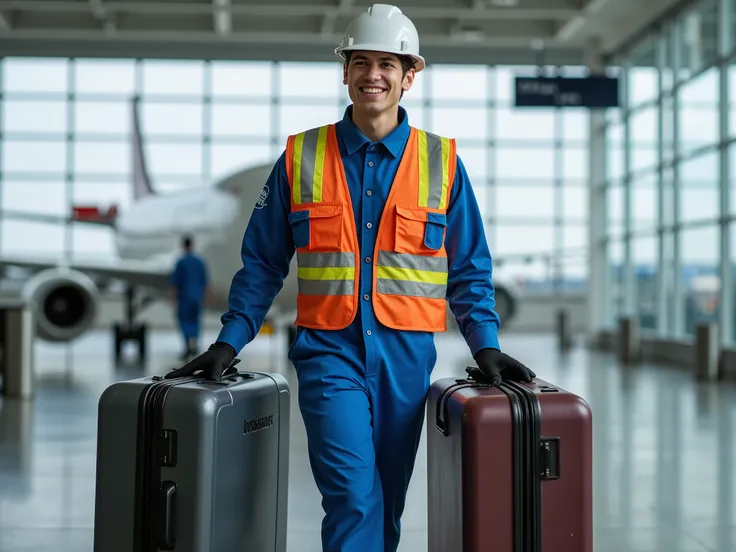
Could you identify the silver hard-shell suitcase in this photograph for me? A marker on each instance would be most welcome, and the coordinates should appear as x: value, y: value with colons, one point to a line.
x: 193, y: 465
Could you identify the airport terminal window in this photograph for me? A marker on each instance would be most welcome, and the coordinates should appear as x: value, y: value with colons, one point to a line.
x: 643, y: 139
x: 614, y: 293
x: 173, y: 78
x: 241, y: 120
x: 295, y: 118
x: 615, y: 205
x: 34, y: 156
x: 46, y: 197
x: 38, y: 238
x: 460, y: 122
x: 698, y: 111
x: 468, y: 82
x: 241, y: 79
x: 38, y: 116
x: 229, y: 158
x: 35, y: 75
x: 575, y: 166
x: 575, y: 125
x: 575, y: 202
x: 104, y: 157
x: 515, y: 239
x: 174, y: 158
x: 696, y: 47
x: 644, y: 202
x: 699, y: 195
x: 524, y: 201
x: 105, y: 76
x: 519, y: 162
x: 644, y: 259
x: 110, y: 118
x: 202, y: 121
x: 310, y: 80
x: 525, y: 124
x: 699, y: 275
x: 178, y: 120
x: 475, y: 159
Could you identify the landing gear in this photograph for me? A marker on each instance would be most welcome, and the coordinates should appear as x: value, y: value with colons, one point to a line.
x: 130, y: 330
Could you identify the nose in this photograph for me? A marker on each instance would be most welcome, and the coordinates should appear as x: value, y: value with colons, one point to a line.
x: 374, y: 73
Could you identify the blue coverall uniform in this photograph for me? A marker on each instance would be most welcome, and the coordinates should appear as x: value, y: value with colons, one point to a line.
x: 362, y: 390
x: 190, y: 280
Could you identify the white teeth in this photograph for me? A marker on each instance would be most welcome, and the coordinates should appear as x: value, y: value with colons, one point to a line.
x: 372, y: 90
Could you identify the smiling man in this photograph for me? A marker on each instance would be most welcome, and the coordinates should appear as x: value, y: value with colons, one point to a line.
x: 386, y: 230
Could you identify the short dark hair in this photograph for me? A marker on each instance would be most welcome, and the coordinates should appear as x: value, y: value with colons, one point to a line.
x: 187, y: 242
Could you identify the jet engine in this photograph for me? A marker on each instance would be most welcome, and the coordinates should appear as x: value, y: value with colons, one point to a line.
x: 65, y: 303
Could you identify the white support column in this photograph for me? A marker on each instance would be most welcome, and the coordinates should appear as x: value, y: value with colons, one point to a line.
x: 663, y: 307
x: 726, y: 309
x: 628, y: 283
x: 598, y: 284
x: 677, y: 316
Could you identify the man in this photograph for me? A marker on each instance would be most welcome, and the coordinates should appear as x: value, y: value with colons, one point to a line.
x: 385, y: 226
x: 189, y: 283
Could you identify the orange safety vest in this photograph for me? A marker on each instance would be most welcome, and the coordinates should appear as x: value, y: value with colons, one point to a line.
x: 409, y: 262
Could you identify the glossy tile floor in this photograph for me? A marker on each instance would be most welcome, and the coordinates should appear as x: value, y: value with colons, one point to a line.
x: 665, y: 450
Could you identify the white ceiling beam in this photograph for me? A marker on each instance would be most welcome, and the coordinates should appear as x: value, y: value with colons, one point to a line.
x: 328, y: 22
x: 222, y: 18
x: 260, y: 37
x: 101, y: 13
x: 571, y: 29
x: 294, y: 10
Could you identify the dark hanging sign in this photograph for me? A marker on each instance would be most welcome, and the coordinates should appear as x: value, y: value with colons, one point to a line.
x: 595, y: 92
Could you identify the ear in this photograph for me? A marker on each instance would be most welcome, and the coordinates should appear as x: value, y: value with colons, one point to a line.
x: 345, y: 73
x: 408, y: 80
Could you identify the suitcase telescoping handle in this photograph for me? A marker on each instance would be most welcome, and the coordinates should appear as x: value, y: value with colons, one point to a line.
x: 167, y: 516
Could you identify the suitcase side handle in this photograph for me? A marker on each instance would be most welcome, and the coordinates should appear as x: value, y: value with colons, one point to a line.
x: 167, y: 516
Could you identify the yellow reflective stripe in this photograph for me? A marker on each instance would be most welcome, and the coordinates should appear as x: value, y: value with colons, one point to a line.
x: 423, y: 168
x: 445, y: 171
x: 411, y: 275
x: 297, y: 168
x: 319, y: 164
x: 326, y: 273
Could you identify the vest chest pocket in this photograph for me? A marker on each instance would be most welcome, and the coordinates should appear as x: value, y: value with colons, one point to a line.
x: 318, y: 227
x: 419, y: 230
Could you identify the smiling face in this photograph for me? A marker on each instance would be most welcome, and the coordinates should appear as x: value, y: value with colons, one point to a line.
x: 376, y: 80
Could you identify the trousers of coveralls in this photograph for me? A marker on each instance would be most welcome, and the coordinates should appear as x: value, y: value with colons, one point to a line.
x: 363, y: 409
x: 188, y: 313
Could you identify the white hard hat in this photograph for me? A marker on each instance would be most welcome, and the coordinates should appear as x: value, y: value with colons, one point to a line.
x: 383, y: 28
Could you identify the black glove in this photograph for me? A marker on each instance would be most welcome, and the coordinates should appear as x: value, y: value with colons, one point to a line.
x: 212, y: 363
x: 495, y: 367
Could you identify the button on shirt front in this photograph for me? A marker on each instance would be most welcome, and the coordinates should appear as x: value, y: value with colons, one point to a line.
x: 370, y: 169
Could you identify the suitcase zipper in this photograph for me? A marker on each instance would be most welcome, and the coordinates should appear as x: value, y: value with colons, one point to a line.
x: 153, y: 529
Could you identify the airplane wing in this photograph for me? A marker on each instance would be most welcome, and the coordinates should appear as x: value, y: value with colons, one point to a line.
x: 140, y: 273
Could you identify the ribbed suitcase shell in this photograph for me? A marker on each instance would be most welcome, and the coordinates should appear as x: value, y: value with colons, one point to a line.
x: 193, y: 465
x: 484, y: 494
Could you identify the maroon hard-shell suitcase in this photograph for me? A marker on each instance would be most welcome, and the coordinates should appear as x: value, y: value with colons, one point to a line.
x: 509, y: 468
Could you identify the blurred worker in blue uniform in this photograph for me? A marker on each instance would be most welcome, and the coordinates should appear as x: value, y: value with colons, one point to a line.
x: 386, y: 230
x: 189, y: 282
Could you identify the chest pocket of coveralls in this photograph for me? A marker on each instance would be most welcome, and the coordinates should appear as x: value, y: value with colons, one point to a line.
x: 419, y: 230
x: 318, y: 227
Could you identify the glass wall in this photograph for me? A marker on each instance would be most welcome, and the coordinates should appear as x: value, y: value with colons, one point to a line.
x: 670, y: 202
x: 67, y: 139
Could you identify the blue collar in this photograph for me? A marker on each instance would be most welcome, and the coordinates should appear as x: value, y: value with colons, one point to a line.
x: 353, y: 139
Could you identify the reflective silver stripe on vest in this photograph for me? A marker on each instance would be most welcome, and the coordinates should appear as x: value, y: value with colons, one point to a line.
x: 413, y: 262
x: 323, y: 260
x: 306, y: 174
x: 337, y: 259
x: 391, y: 286
x: 416, y: 289
x: 326, y: 287
x: 434, y: 160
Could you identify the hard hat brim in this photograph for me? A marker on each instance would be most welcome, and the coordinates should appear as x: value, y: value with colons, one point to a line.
x: 418, y: 60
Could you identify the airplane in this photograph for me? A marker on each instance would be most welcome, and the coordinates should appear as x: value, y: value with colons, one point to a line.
x: 148, y: 234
